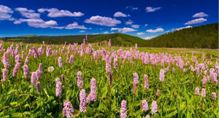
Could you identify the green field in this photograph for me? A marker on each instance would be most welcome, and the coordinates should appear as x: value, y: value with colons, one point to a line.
x: 113, y: 69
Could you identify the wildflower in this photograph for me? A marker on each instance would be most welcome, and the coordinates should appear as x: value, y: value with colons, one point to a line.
x: 71, y: 59
x: 108, y: 68
x: 5, y: 60
x: 154, y: 107
x: 48, y: 52
x: 26, y: 70
x: 60, y: 62
x: 79, y: 80
x: 135, y: 82
x: 123, y: 112
x: 115, y: 62
x: 144, y: 105
x: 38, y: 74
x: 147, y: 116
x: 40, y: 50
x: 135, y: 78
x: 82, y: 101
x: 4, y: 74
x: 40, y: 67
x: 26, y: 60
x: 34, y: 78
x: 204, y: 80
x: 197, y: 91
x: 146, y: 83
x: 214, y: 95
x: 17, y: 58
x: 203, y: 93
x: 39, y: 71
x: 213, y: 75
x: 68, y: 109
x: 162, y: 71
x: 51, y: 69
x: 58, y: 87
x: 15, y: 70
x: 92, y: 95
x: 35, y: 53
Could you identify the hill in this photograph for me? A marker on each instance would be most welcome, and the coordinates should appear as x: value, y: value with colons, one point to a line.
x: 205, y: 36
x: 117, y: 39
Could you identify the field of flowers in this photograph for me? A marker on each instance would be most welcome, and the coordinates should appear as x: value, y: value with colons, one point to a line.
x: 84, y: 80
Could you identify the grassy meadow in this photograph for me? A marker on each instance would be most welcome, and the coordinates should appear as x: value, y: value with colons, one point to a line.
x: 90, y: 81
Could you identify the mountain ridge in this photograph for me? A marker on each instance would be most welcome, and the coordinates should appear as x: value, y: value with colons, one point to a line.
x: 205, y: 36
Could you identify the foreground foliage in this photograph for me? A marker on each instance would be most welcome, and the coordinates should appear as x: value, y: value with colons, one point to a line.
x: 85, y: 81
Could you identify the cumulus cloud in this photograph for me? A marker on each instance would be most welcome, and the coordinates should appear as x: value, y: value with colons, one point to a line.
x: 140, y: 33
x: 132, y: 8
x: 196, y: 21
x: 123, y: 30
x: 200, y: 15
x: 135, y: 26
x: 54, y: 12
x: 28, y: 13
x: 119, y: 14
x: 75, y: 25
x: 155, y: 30
x: 103, y: 21
x: 181, y: 28
x: 148, y: 37
x: 37, y: 23
x: 5, y: 13
x: 152, y: 9
x: 129, y: 22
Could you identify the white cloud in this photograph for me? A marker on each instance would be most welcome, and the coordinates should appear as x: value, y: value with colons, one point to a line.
x: 140, y: 33
x: 196, y: 21
x: 132, y: 8
x: 37, y: 23
x: 152, y: 9
x: 5, y: 9
x: 123, y: 30
x: 103, y: 21
x: 119, y: 14
x: 135, y: 26
x: 28, y: 13
x: 148, y: 37
x: 5, y: 13
x: 54, y: 12
x: 75, y: 25
x: 200, y: 15
x: 58, y: 27
x: 129, y: 22
x: 155, y: 30
x: 181, y: 28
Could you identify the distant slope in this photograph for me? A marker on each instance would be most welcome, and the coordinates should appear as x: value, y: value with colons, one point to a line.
x: 117, y: 39
x: 198, y: 37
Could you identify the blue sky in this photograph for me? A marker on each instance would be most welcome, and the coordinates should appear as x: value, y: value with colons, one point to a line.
x: 142, y: 18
